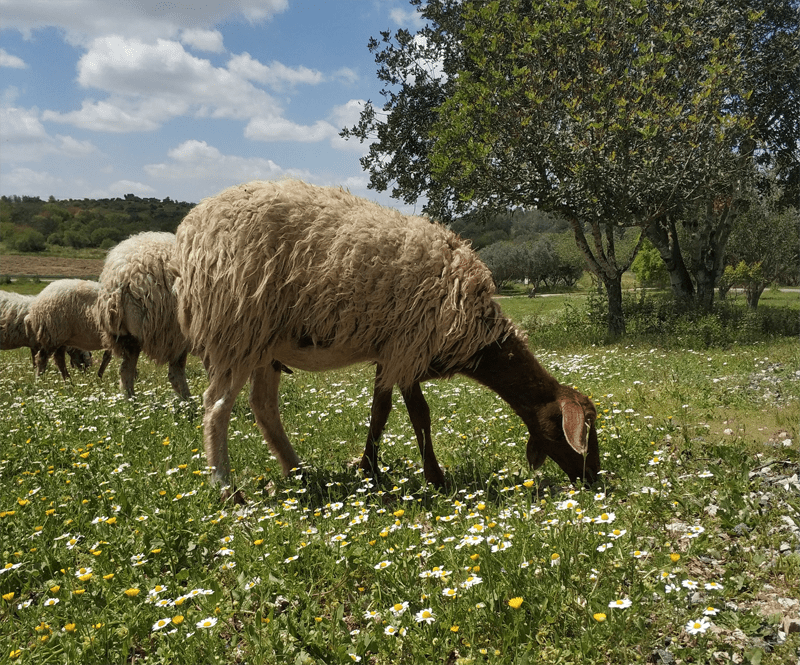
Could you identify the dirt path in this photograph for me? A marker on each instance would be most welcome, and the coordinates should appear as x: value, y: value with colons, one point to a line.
x: 49, y: 266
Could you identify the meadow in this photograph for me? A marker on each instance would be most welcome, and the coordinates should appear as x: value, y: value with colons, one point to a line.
x: 115, y: 549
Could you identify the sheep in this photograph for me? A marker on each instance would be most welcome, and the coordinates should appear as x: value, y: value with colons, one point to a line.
x: 136, y: 308
x: 314, y: 278
x: 13, y: 309
x: 63, y: 315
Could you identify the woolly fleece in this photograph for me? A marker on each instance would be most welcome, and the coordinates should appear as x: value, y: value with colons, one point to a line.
x: 136, y: 297
x: 13, y: 309
x: 63, y: 314
x: 270, y: 263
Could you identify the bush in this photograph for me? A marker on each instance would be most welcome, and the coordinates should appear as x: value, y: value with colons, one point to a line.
x: 661, y: 321
x: 27, y: 241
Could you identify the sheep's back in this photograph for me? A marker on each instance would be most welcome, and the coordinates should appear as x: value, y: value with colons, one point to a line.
x: 13, y: 309
x: 136, y: 297
x: 63, y: 314
x: 267, y: 262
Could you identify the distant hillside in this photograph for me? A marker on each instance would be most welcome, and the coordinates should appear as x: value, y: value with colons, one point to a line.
x: 29, y: 224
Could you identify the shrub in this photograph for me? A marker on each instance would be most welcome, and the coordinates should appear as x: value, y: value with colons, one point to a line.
x: 659, y: 320
x: 27, y: 241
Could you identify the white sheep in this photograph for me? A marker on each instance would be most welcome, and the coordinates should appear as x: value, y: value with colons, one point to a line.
x: 63, y: 315
x: 13, y: 309
x: 273, y: 273
x: 136, y: 308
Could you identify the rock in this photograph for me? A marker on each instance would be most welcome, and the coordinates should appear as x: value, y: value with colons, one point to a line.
x: 662, y: 657
x: 741, y: 529
x: 791, y: 625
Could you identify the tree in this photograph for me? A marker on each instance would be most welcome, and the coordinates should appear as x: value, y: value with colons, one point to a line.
x: 648, y: 266
x: 608, y: 114
x: 692, y: 242
x: 763, y: 247
x: 505, y: 260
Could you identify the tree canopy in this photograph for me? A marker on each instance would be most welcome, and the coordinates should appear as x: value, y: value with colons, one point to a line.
x: 620, y: 113
x: 28, y: 222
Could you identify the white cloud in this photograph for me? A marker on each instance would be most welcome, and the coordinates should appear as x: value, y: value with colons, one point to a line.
x: 114, y: 115
x: 151, y: 83
x: 74, y: 148
x: 197, y: 162
x: 275, y: 74
x: 27, y: 182
x: 203, y: 40
x: 83, y: 20
x: 347, y: 115
x: 122, y: 187
x: 346, y: 75
x: 25, y: 139
x: 407, y: 18
x: 11, y: 61
x: 274, y: 128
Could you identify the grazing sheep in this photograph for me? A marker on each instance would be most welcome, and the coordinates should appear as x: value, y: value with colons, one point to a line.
x: 13, y: 309
x: 136, y: 308
x: 63, y: 315
x: 273, y: 273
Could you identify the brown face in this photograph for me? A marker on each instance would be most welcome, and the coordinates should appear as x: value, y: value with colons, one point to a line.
x: 568, y: 436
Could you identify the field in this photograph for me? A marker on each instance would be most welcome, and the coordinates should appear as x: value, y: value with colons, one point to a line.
x: 31, y: 265
x: 116, y: 550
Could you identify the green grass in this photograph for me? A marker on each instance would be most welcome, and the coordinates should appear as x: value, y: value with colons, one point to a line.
x: 310, y: 569
x: 28, y: 287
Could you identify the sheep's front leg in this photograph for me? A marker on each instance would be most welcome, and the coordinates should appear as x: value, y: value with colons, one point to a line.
x: 177, y: 377
x: 420, y: 415
x: 40, y: 362
x: 59, y: 358
x: 264, y: 383
x: 379, y: 415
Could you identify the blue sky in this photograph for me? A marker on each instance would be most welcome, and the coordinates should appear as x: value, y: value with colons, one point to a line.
x: 100, y: 98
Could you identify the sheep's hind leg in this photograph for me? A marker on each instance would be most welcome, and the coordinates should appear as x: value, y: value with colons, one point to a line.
x: 420, y: 415
x: 59, y: 358
x: 379, y: 415
x: 127, y: 369
x: 264, y: 382
x: 177, y: 377
x: 104, y: 363
x: 218, y: 401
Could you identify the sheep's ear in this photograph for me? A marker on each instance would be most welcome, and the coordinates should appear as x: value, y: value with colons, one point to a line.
x: 574, y: 424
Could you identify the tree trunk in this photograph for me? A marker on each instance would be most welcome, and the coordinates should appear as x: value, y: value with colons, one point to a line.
x: 705, y: 279
x: 616, y: 317
x: 664, y: 236
x: 753, y: 293
x: 709, y: 234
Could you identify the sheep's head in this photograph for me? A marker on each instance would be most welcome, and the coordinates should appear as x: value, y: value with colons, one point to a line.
x: 80, y: 359
x: 566, y: 433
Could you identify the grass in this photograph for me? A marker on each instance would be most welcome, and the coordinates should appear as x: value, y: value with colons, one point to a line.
x: 116, y: 550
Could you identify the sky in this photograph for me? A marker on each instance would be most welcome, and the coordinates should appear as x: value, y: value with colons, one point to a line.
x: 179, y: 99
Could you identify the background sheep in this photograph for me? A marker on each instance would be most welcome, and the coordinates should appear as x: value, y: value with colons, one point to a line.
x: 136, y: 308
x: 63, y: 315
x: 315, y: 278
x: 13, y: 335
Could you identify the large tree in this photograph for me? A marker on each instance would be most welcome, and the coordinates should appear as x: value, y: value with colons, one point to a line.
x: 692, y: 241
x: 611, y: 114
x: 764, y: 246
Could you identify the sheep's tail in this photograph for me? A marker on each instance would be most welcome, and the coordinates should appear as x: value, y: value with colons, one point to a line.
x: 109, y: 312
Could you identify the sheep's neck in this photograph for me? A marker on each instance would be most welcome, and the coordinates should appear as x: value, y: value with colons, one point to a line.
x: 511, y: 370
